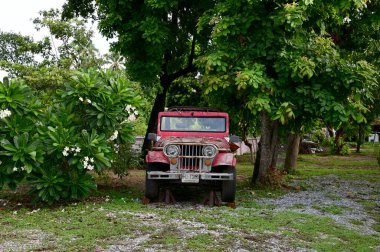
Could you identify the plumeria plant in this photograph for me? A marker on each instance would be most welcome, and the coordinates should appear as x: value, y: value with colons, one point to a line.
x: 59, y: 147
x: 20, y: 147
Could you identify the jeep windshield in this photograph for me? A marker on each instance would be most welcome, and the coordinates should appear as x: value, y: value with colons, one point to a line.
x: 193, y: 124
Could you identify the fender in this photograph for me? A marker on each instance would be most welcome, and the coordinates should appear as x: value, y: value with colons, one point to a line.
x: 156, y: 157
x: 224, y: 159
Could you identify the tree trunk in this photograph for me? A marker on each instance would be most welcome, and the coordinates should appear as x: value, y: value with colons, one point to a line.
x: 338, y: 141
x: 266, y: 156
x: 360, y: 138
x: 292, y: 152
x: 158, y: 106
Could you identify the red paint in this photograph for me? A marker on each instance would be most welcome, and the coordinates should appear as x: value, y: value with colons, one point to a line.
x: 156, y: 157
x: 224, y: 159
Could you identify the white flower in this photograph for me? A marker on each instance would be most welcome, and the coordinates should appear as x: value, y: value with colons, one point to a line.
x: 77, y: 150
x: 81, y: 99
x: 346, y: 20
x: 72, y: 149
x: 66, y: 149
x: 132, y: 118
x: 15, y: 168
x: 136, y: 112
x: 23, y: 168
x: 128, y: 107
x: 86, y: 164
x: 114, y: 135
x: 5, y: 113
x: 88, y: 101
x: 116, y: 148
x: 65, y: 153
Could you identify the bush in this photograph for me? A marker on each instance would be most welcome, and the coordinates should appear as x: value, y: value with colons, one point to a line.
x: 126, y: 159
x: 345, y: 149
x: 56, y: 146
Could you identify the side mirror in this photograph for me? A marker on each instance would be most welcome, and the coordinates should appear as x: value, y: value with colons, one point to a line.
x: 234, y: 139
x: 152, y: 137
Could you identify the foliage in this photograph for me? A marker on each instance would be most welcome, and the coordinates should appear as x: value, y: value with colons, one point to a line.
x: 48, y: 63
x: 280, y: 59
x: 56, y: 147
x: 126, y: 158
x: 345, y: 149
x: 285, y: 60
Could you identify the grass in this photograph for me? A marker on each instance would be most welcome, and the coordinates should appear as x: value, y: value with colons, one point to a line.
x: 363, y: 165
x: 114, y: 216
x: 337, y: 210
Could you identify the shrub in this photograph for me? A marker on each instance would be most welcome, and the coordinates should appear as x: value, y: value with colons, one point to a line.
x: 345, y: 149
x: 55, y: 147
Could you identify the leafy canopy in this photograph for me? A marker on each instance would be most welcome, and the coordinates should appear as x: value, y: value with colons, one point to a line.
x: 282, y: 58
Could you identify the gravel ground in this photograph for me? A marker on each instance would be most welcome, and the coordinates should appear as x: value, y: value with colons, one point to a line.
x: 327, y: 191
x: 322, y: 192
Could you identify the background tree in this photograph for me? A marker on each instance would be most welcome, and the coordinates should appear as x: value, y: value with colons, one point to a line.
x: 284, y: 58
x: 359, y: 38
x: 46, y: 64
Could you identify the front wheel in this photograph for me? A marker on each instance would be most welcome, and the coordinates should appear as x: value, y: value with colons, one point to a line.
x: 152, y: 189
x: 229, y: 186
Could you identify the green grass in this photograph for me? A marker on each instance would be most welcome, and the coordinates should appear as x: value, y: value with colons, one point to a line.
x: 346, y: 167
x: 115, y: 216
x: 337, y: 210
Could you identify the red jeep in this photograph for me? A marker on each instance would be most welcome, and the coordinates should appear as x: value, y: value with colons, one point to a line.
x: 192, y: 146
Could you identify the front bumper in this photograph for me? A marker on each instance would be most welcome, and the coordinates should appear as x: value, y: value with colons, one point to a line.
x: 170, y: 175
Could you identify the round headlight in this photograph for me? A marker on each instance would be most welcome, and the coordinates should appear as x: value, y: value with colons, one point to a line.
x: 171, y: 150
x: 209, y: 151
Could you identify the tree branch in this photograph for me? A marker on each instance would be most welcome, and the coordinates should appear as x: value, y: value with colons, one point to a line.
x: 190, y: 66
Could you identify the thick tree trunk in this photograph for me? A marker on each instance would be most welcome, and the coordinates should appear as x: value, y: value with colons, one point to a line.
x: 266, y: 156
x: 158, y: 106
x: 292, y: 152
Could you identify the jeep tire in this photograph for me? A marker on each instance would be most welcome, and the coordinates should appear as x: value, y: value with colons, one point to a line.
x: 152, y: 188
x: 229, y: 186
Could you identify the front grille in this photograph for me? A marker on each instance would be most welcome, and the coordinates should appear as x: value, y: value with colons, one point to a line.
x: 190, y: 157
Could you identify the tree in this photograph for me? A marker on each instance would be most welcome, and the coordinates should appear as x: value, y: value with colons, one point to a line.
x: 359, y: 39
x: 46, y: 64
x: 283, y: 59
x: 158, y: 38
x: 55, y: 145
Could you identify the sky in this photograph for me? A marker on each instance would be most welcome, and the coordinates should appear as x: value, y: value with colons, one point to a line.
x: 17, y: 15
